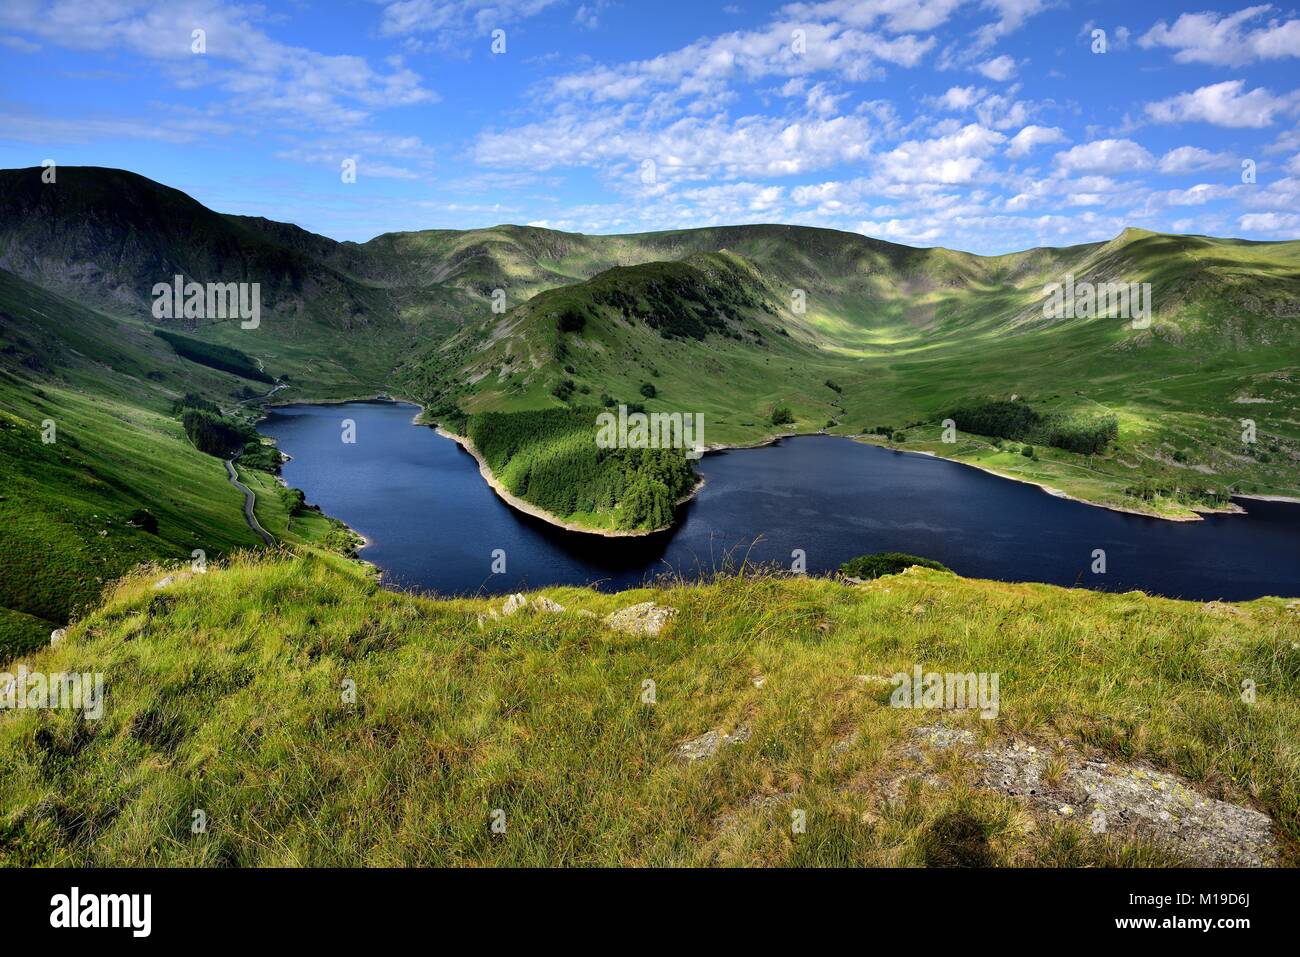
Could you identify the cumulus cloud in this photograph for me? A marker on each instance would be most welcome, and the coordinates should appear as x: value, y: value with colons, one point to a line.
x: 1222, y: 104
x: 960, y: 97
x: 690, y: 148
x: 1105, y: 156
x: 453, y: 20
x: 1227, y: 40
x: 260, y: 73
x: 1193, y: 159
x: 1000, y: 68
x: 956, y: 158
x: 1031, y: 137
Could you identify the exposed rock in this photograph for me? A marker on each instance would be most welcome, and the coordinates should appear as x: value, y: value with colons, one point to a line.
x: 759, y: 681
x: 729, y: 820
x: 164, y: 581
x: 647, y: 618
x: 874, y: 680
x: 708, y: 744
x: 1219, y: 608
x: 517, y: 602
x: 1127, y: 799
x: 844, y: 744
x: 57, y: 635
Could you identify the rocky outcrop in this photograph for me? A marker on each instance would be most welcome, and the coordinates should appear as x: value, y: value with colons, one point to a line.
x: 1130, y: 800
x: 646, y: 618
x: 709, y: 744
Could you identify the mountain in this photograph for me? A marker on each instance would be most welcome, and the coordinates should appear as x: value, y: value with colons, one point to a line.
x: 762, y: 329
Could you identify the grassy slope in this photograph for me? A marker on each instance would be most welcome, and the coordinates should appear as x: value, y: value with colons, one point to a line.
x: 223, y: 693
x: 911, y: 334
x: 108, y: 385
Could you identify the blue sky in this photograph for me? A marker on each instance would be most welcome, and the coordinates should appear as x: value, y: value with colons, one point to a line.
x: 987, y: 125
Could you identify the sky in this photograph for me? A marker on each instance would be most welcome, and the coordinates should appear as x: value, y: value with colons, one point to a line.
x: 984, y: 125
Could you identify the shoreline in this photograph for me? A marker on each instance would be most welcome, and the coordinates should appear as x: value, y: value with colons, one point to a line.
x: 485, y: 471
x: 1198, y: 514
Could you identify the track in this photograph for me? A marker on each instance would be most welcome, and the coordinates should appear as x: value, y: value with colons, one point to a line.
x: 250, y: 499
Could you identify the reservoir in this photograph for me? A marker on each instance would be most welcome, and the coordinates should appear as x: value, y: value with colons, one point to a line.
x: 434, y: 525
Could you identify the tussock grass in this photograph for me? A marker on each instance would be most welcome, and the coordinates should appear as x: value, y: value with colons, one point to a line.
x: 224, y: 693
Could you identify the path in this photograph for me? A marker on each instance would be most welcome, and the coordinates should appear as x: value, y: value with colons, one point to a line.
x: 250, y: 499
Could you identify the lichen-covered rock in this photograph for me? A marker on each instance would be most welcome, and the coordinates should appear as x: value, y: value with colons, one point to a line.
x: 708, y: 744
x: 646, y: 618
x: 1125, y: 799
x: 517, y: 602
x: 57, y: 635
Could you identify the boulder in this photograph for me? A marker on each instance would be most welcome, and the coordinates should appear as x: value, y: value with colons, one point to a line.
x: 647, y: 618
x: 708, y: 744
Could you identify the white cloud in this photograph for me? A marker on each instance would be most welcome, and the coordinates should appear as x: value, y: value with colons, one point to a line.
x: 1286, y: 223
x: 956, y: 158
x: 707, y: 67
x: 1105, y: 156
x: 455, y: 20
x: 1032, y: 137
x: 260, y: 73
x: 895, y: 16
x: 1207, y: 38
x: 689, y: 148
x: 960, y: 97
x: 20, y: 45
x: 1193, y: 159
x: 1000, y: 68
x: 1222, y: 104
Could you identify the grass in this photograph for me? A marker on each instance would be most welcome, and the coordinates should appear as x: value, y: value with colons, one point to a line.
x: 224, y: 692
x: 108, y: 386
x: 926, y: 332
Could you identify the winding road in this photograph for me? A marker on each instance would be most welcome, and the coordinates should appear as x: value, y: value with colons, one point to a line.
x: 250, y: 499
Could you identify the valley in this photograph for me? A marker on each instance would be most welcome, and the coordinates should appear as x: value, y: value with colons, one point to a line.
x: 763, y: 330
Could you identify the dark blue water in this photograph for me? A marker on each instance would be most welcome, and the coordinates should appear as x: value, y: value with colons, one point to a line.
x: 433, y: 523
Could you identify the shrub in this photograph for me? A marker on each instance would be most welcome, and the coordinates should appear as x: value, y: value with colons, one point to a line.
x: 781, y: 414
x: 223, y: 358
x: 648, y: 390
x: 886, y: 563
x: 1027, y: 451
x: 572, y: 319
x: 144, y: 519
x: 215, y: 434
x: 1084, y: 434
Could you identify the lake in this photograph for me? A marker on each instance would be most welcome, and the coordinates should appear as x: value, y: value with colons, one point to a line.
x: 433, y: 523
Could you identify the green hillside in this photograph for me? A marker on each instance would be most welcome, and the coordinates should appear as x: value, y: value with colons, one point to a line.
x: 108, y: 387
x: 763, y: 329
x: 905, y: 337
x: 232, y: 693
